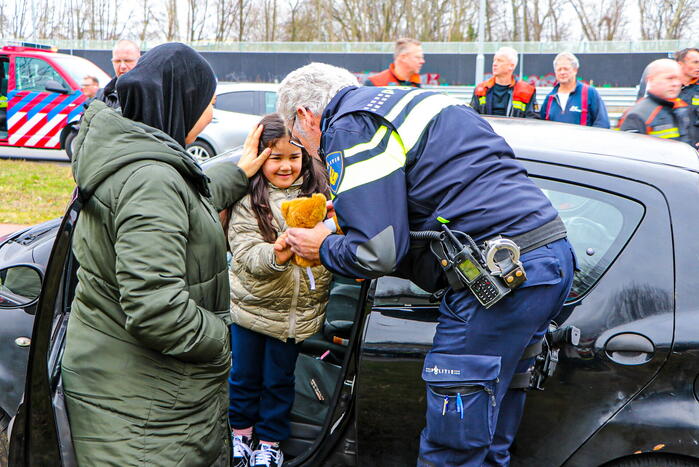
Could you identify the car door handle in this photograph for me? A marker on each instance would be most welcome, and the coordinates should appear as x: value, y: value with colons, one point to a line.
x: 629, y: 349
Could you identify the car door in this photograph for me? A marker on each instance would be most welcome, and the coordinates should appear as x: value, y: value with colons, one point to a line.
x: 622, y: 301
x: 36, y: 115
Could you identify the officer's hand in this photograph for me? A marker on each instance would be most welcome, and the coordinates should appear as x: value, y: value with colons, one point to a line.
x: 306, y: 242
x: 250, y: 162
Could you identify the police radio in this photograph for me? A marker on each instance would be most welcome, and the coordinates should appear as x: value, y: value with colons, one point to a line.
x: 464, y: 264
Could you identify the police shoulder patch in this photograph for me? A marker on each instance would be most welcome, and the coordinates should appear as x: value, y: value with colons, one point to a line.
x: 336, y: 167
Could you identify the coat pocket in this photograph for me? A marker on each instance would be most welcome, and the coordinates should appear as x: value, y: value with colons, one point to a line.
x: 461, y: 402
x: 542, y: 267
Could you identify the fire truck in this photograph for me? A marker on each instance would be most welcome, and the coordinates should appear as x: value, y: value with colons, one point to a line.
x: 40, y: 97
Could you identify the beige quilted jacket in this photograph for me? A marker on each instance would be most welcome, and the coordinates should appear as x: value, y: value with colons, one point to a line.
x: 267, y: 298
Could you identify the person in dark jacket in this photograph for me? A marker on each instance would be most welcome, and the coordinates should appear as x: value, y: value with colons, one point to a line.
x: 689, y: 65
x: 147, y: 349
x: 504, y: 94
x: 432, y: 161
x: 405, y: 69
x: 661, y: 113
x: 571, y: 101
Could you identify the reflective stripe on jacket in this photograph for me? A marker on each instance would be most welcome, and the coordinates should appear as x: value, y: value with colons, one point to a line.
x: 522, y: 100
x: 657, y: 117
x: 690, y: 95
x: 401, y: 160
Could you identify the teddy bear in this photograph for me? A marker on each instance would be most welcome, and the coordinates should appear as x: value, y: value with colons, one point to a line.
x: 305, y: 213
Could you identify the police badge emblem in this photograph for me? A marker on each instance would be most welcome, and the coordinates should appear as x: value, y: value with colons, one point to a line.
x: 335, y: 162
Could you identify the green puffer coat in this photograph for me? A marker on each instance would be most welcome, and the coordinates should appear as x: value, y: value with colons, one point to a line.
x: 275, y: 300
x: 148, y: 350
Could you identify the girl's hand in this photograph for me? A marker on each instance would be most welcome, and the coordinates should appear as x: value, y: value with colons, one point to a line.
x: 250, y: 162
x: 331, y: 210
x: 282, y: 251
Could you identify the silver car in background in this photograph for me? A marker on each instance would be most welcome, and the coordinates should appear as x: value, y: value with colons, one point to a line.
x: 238, y: 108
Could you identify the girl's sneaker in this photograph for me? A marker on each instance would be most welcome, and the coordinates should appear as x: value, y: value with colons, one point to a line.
x: 242, y: 450
x: 267, y: 455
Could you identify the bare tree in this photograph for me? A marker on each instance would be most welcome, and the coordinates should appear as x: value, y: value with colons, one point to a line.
x: 602, y: 21
x: 666, y: 19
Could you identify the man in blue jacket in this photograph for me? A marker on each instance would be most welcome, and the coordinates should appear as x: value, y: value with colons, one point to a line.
x: 402, y: 160
x: 571, y: 101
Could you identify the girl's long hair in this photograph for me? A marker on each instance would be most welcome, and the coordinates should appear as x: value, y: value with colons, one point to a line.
x: 315, y: 179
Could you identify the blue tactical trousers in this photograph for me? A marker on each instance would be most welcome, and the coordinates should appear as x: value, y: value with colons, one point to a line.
x: 261, y: 383
x: 472, y: 417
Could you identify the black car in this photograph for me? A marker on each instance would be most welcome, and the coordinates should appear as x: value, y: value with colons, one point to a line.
x: 627, y: 394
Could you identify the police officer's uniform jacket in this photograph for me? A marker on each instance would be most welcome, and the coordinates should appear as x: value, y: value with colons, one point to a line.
x: 657, y: 117
x: 417, y: 158
x: 388, y: 78
x: 584, y: 107
x: 690, y: 95
x: 521, y: 100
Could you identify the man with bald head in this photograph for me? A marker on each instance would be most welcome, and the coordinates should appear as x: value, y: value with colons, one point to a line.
x: 661, y: 113
x: 125, y: 55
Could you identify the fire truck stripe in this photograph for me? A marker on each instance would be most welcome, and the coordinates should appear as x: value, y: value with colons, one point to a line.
x: 21, y: 135
x: 47, y: 100
x: 64, y: 104
x: 54, y: 142
x: 31, y: 99
x: 45, y: 129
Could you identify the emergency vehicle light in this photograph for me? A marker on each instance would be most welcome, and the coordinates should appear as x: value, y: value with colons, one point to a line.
x: 27, y: 46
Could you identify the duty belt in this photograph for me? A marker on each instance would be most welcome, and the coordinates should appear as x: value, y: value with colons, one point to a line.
x: 543, y: 235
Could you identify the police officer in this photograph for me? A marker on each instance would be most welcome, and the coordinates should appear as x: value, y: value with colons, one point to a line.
x: 402, y: 160
x: 570, y: 100
x: 689, y: 65
x: 661, y: 113
x: 504, y: 94
x: 405, y: 69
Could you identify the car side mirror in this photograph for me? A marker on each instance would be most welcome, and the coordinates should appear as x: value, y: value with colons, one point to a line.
x: 20, y: 285
x: 54, y: 86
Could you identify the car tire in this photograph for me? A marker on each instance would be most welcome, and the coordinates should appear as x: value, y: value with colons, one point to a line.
x: 654, y: 460
x: 201, y: 150
x: 68, y: 144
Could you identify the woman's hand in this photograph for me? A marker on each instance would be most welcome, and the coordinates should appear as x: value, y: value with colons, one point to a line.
x: 250, y: 162
x: 282, y: 251
x: 331, y: 210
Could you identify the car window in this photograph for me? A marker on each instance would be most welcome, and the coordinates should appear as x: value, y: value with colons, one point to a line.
x: 599, y: 224
x: 270, y: 102
x: 238, y: 101
x: 31, y: 74
x: 4, y: 72
x: 78, y: 68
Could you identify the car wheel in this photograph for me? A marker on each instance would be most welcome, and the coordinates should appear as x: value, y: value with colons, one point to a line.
x: 69, y: 143
x: 201, y: 150
x: 654, y: 460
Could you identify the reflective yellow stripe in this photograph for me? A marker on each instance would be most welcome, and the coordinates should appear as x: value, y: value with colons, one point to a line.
x: 369, y: 145
x: 400, y: 105
x: 695, y: 100
x: 3, y: 102
x: 519, y: 105
x: 379, y: 166
x: 420, y: 116
x: 481, y: 100
x: 667, y: 133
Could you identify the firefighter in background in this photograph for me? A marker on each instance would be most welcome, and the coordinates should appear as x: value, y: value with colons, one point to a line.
x: 689, y: 65
x: 504, y: 94
x: 661, y: 113
x: 405, y: 69
x: 125, y: 56
x: 3, y: 100
x: 432, y: 160
x: 571, y: 101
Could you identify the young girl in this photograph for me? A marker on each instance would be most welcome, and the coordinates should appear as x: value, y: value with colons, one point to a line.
x: 273, y: 305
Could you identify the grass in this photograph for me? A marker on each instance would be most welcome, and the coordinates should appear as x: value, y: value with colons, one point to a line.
x: 33, y: 192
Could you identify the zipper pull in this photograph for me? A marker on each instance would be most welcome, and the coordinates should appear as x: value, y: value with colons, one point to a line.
x: 459, y: 405
x: 492, y: 395
x: 444, y: 406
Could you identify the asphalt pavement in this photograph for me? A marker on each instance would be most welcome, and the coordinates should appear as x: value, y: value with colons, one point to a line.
x: 39, y: 155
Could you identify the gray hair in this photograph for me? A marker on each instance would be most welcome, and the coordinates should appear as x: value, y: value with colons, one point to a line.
x: 403, y: 44
x: 311, y: 86
x: 567, y: 56
x: 509, y: 53
x: 125, y: 44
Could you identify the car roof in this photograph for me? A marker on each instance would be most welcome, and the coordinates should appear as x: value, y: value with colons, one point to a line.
x: 225, y: 86
x: 532, y: 135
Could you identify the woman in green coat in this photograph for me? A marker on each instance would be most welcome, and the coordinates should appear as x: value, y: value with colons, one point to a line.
x: 147, y: 352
